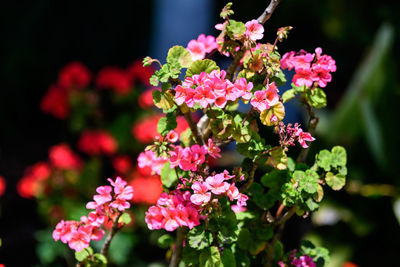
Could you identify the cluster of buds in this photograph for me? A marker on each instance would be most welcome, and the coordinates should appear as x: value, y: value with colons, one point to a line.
x: 290, y: 134
x: 107, y: 208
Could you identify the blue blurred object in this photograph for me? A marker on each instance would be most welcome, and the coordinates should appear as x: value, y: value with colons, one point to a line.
x: 176, y: 22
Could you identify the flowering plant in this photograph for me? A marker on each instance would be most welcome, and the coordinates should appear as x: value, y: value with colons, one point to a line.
x: 235, y: 217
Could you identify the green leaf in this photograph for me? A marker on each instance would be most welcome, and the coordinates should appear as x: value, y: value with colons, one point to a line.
x: 125, y: 218
x: 235, y: 29
x: 311, y: 204
x: 154, y: 80
x: 324, y: 159
x: 309, y: 182
x: 244, y: 240
x: 168, y: 176
x: 228, y: 259
x: 278, y: 159
x: 264, y: 233
x: 83, y: 254
x: 179, y: 54
x: 289, y: 94
x: 339, y: 156
x: 242, y: 260
x: 319, y: 255
x: 206, y: 65
x: 99, y: 260
x: 210, y: 257
x: 190, y: 256
x: 278, y: 110
x: 164, y: 101
x: 166, y: 124
x: 165, y: 241
x: 316, y: 97
x: 254, y: 147
x: 335, y: 181
x: 199, y: 238
x: 290, y: 196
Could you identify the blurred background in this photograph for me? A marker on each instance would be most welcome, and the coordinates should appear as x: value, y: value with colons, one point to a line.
x: 359, y: 224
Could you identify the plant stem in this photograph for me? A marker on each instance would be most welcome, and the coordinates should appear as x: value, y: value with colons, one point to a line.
x: 251, y: 177
x: 268, y: 11
x: 231, y: 69
x: 177, y: 254
x: 193, y: 128
x: 312, y: 125
x: 111, y: 234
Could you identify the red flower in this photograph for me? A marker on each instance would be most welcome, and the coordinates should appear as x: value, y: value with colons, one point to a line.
x: 137, y: 72
x: 122, y: 164
x: 97, y: 142
x: 115, y: 79
x: 40, y: 171
x: 55, y: 102
x: 74, y: 75
x: 145, y: 99
x: 62, y: 156
x: 28, y: 187
x: 2, y: 185
x: 147, y: 188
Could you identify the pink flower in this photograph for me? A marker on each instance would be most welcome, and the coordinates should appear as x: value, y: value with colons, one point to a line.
x: 79, y: 240
x: 204, y: 96
x: 237, y: 208
x: 259, y: 101
x: 217, y: 184
x: 149, y: 159
x: 321, y: 75
x: 172, y: 136
x: 104, y: 194
x: 271, y: 94
x: 196, y: 49
x: 64, y: 230
x: 303, y: 77
x: 175, y: 156
x: 287, y: 60
x: 154, y: 218
x: 304, y: 136
x: 241, y: 200
x: 302, y: 61
x: 201, y: 194
x: 120, y: 204
x: 212, y: 149
x: 233, y: 192
x: 244, y: 88
x: 208, y: 41
x: 254, y: 30
x: 74, y: 75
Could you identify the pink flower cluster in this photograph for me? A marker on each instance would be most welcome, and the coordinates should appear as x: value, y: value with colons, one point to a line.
x: 107, y: 205
x: 200, y: 47
x: 206, y: 89
x: 217, y: 185
x: 288, y: 135
x: 309, y: 68
x: 149, y: 159
x: 189, y: 158
x: 264, y: 99
x: 173, y: 210
x: 302, y: 261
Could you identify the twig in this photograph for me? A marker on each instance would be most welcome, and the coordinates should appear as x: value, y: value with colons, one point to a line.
x: 251, y: 177
x: 177, y: 254
x: 193, y: 127
x: 268, y: 11
x: 111, y: 234
x: 232, y: 68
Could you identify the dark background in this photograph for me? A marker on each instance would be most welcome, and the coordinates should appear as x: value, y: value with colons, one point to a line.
x: 39, y: 37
